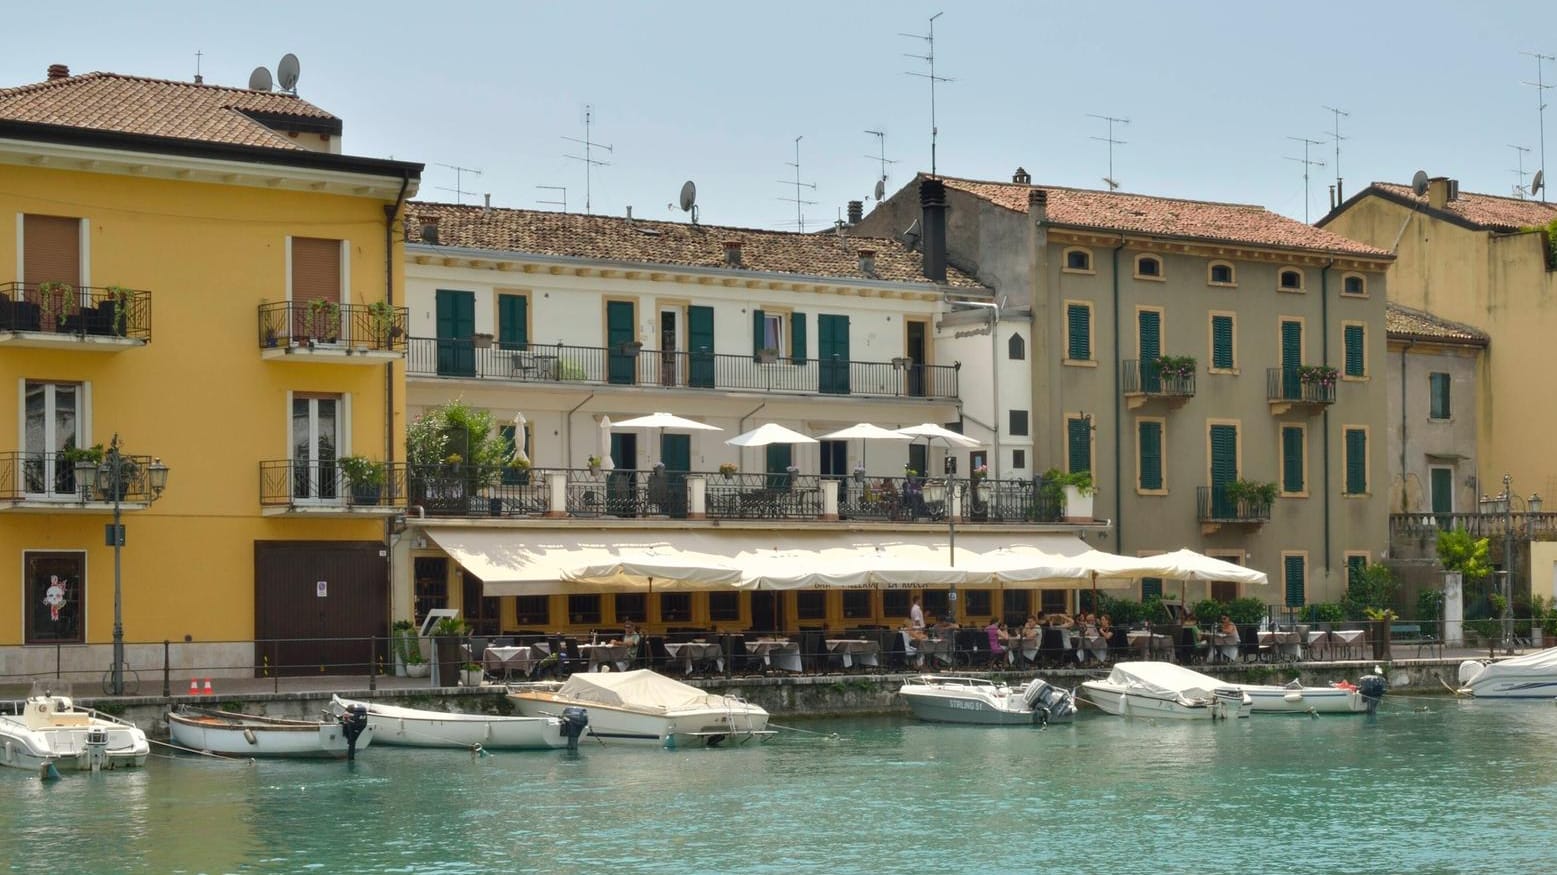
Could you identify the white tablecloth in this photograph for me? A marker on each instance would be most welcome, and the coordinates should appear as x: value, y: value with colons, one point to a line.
x: 776, y: 653
x: 617, y: 657
x: 1022, y: 648
x: 505, y: 660
x: 855, y: 651
x: 695, y: 654
x: 937, y: 650
x: 1283, y: 644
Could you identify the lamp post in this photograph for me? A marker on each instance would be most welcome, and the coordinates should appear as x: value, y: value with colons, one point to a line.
x: 1505, y: 502
x: 114, y: 477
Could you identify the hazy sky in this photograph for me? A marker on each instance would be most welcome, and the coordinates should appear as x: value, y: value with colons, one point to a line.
x: 718, y: 92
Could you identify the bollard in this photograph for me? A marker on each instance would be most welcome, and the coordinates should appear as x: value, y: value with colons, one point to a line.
x: 167, y: 680
x: 372, y: 662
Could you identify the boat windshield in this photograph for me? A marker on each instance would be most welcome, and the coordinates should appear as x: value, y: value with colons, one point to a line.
x: 50, y: 687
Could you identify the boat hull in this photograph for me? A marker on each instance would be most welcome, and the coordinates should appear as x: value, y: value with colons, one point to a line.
x: 67, y: 748
x: 977, y: 702
x: 1305, y: 700
x: 701, y: 727
x: 1127, y: 702
x: 940, y: 708
x: 270, y: 738
x: 413, y: 727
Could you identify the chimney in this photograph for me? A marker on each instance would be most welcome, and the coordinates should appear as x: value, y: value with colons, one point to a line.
x: 430, y: 230
x: 732, y: 253
x: 1020, y: 177
x: 868, y: 262
x: 1038, y: 205
x: 58, y: 71
x: 1454, y: 189
x: 1438, y: 192
x: 629, y: 212
x: 932, y: 200
x: 856, y: 212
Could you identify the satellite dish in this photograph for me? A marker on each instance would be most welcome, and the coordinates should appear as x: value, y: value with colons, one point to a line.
x: 259, y: 80
x: 1419, y: 183
x: 688, y: 196
x: 881, y: 189
x: 1538, y: 183
x: 286, y: 72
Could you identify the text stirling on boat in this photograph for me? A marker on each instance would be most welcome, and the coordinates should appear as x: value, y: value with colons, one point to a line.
x: 951, y: 699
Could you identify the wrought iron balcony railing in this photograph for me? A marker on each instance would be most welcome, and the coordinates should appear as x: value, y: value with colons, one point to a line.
x: 63, y: 309
x: 630, y: 365
x: 375, y: 327
x: 1289, y: 386
x: 71, y: 477
x: 1150, y: 379
x: 1214, y: 505
x: 325, y: 484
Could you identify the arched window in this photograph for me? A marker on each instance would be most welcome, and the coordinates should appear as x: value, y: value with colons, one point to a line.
x: 1221, y: 274
x: 1148, y: 267
x: 1354, y: 284
x: 1291, y: 280
x: 1016, y: 348
x: 1079, y: 260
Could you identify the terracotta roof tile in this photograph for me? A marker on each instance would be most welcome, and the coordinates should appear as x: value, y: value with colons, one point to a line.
x: 1406, y: 323
x: 1488, y: 211
x: 159, y: 108
x: 1170, y: 217
x: 636, y: 241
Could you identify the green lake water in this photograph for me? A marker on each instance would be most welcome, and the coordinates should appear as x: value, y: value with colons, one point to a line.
x: 1429, y: 785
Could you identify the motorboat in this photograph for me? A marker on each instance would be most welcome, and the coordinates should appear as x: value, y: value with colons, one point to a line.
x: 49, y: 732
x: 1341, y: 697
x: 643, y: 707
x: 252, y: 735
x: 1532, y: 676
x: 1162, y: 689
x: 415, y: 727
x: 950, y: 699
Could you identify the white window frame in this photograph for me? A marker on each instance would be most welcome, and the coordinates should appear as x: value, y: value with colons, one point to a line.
x: 83, y: 428
x: 342, y: 446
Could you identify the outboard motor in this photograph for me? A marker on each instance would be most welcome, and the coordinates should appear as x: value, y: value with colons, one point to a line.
x: 574, y: 721
x: 96, y: 748
x: 353, y: 723
x: 1372, y: 687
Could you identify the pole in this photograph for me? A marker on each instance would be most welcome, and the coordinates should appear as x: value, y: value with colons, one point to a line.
x: 1508, y: 564
x: 116, y: 471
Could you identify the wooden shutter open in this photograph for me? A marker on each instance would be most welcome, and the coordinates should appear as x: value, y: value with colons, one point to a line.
x: 51, y: 250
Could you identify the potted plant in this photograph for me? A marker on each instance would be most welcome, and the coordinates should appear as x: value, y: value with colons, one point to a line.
x: 859, y: 473
x: 382, y: 324
x: 324, y: 320
x: 416, y: 665
x: 447, y: 634
x: 366, y: 478
x: 1317, y: 375
x: 59, y: 301
x: 402, y: 640
x: 593, y: 463
x: 767, y: 355
x: 82, y: 462
x: 728, y: 469
x: 129, y: 475
x: 117, y: 305
x: 1379, y: 619
x: 1251, y: 494
x: 471, y: 674
x: 1079, y: 489
x: 979, y: 472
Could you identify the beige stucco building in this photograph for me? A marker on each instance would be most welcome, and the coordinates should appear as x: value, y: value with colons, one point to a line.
x: 1180, y: 347
x: 1433, y: 374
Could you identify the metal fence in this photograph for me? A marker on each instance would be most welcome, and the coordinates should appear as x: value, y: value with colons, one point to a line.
x: 68, y: 476
x: 377, y: 326
x: 60, y: 308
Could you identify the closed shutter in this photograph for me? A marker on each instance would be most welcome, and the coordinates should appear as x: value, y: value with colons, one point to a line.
x: 1224, y: 469
x: 51, y: 250
x: 1356, y: 461
x: 1151, y: 588
x: 758, y: 335
x: 1354, y: 568
x: 1293, y: 571
x: 513, y: 323
x: 797, y: 337
x: 1150, y: 446
x: 1291, y: 459
x: 1222, y: 342
x: 1149, y: 337
x: 1438, y: 385
x: 1079, y: 319
x: 316, y: 269
x: 1079, y: 444
x: 1354, y: 351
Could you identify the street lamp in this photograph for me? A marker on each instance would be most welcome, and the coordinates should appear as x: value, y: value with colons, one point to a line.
x: 114, y: 477
x: 1504, y: 502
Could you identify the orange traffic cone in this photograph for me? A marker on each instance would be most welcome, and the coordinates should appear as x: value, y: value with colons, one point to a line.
x: 194, y: 687
x: 208, y: 686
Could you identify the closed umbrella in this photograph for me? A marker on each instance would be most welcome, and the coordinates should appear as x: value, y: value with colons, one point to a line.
x: 519, y: 457
x: 606, y: 462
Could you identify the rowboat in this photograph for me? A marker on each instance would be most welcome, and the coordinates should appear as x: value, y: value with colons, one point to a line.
x: 415, y: 727
x: 50, y: 732
x: 1341, y: 697
x: 254, y: 735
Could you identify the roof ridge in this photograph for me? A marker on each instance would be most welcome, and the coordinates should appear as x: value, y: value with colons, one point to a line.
x: 1157, y: 197
x: 1497, y: 197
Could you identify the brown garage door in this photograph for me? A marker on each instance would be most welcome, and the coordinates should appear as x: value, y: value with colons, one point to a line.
x: 299, y: 631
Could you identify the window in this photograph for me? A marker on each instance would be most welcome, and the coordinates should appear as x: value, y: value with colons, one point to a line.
x: 1151, y: 588
x: 1355, y: 563
x: 1016, y: 348
x: 1290, y: 280
x: 52, y: 421
x: 675, y: 607
x: 1053, y: 601
x: 1148, y: 455
x: 1018, y: 459
x: 632, y: 606
x: 1354, y: 336
x: 317, y: 426
x: 1078, y: 443
x: 55, y: 593
x: 936, y: 604
x: 724, y: 606
x: 1354, y: 284
x: 773, y: 332
x: 1294, y: 459
x: 1224, y: 355
x: 1018, y: 427
x: 432, y: 585
x: 1438, y: 396
x: 316, y: 276
x: 810, y: 604
x: 1078, y: 335
x: 532, y: 610
x: 51, y: 250
x: 894, y: 603
x: 513, y: 321
x: 856, y: 604
x: 1294, y: 575
x: 1356, y: 461
x: 1148, y: 267
x: 1078, y: 260
x: 583, y: 609
x: 1221, y: 274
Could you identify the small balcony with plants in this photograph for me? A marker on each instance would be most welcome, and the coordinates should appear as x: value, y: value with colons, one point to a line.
x: 357, y: 334
x: 1170, y: 378
x: 347, y: 486
x: 56, y: 315
x: 78, y: 480
x: 1309, y: 388
x: 1237, y: 503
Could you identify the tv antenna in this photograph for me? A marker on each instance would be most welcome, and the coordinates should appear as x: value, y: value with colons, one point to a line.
x: 590, y: 163
x: 881, y: 181
x: 560, y: 188
x: 1540, y: 87
x: 459, y: 181
x: 1336, y: 136
x: 929, y: 58
x: 1519, y: 187
x: 1110, y: 179
x: 1306, y: 164
x: 797, y: 200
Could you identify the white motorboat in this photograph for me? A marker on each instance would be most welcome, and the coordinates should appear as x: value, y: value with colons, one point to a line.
x: 644, y: 707
x: 254, y: 735
x: 1341, y: 697
x: 49, y: 730
x: 1532, y: 676
x: 1162, y: 689
x: 414, y: 727
x: 950, y: 699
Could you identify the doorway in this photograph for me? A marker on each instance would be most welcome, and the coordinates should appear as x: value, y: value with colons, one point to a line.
x: 918, y: 349
x: 669, y: 346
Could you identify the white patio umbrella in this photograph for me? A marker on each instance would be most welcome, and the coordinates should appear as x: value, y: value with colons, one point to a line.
x: 661, y: 421
x: 931, y: 430
x: 606, y: 463
x: 865, y: 432
x: 770, y: 433
x: 519, y: 457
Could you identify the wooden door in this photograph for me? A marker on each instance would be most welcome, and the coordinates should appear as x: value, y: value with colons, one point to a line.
x: 316, y: 606
x: 456, y: 326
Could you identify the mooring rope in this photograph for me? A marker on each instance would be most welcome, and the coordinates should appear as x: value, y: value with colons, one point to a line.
x: 204, y: 753
x: 831, y: 735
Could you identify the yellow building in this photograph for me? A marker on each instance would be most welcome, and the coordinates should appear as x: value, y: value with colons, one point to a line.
x: 194, y: 272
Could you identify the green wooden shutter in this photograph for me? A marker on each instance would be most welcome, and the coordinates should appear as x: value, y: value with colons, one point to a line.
x: 700, y: 345
x: 1149, y: 333
x: 1079, y: 444
x: 797, y: 337
x: 1438, y: 391
x: 1292, y: 459
x: 1079, y: 319
x: 1291, y: 358
x: 757, y: 334
x: 1224, y: 469
x: 513, y: 330
x: 1151, y: 588
x: 1442, y: 482
x: 1149, y: 437
x: 1356, y: 461
x: 1354, y: 568
x: 1292, y: 568
x: 1354, y: 351
x: 1222, y: 342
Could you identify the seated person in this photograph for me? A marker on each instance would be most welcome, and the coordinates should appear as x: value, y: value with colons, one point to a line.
x: 997, y: 637
x: 1030, y: 628
x: 630, y: 637
x: 913, y: 632
x: 1227, y: 644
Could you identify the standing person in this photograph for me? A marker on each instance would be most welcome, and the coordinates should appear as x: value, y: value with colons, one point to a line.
x: 915, y: 614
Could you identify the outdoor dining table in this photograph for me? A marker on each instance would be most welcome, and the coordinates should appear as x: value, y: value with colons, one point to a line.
x: 1285, y: 645
x: 1148, y: 642
x: 855, y: 650
x: 1024, y: 649
x: 936, y: 650
x: 1089, y: 642
x: 617, y: 657
x: 696, y: 654
x: 508, y: 660
x: 776, y: 653
x: 1325, y: 644
x: 1224, y: 646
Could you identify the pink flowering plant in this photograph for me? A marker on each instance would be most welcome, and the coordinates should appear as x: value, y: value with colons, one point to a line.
x: 1317, y: 375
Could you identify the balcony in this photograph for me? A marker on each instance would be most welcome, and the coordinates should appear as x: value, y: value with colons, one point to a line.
x: 1215, y: 509
x: 1148, y: 381
x: 630, y: 365
x: 312, y: 331
x: 299, y: 487
x: 62, y: 483
x: 61, y: 316
x: 1306, y: 389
